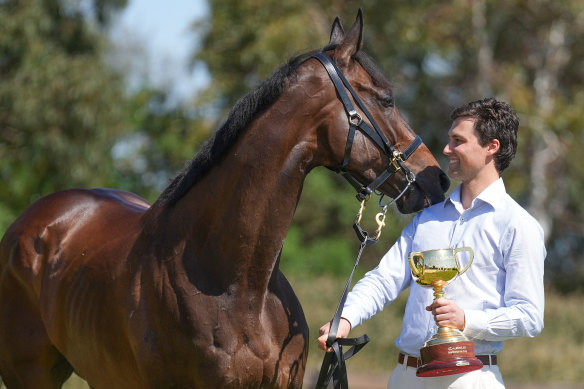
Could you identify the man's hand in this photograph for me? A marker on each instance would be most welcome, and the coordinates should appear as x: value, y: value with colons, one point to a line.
x: 447, y: 313
x: 342, y: 332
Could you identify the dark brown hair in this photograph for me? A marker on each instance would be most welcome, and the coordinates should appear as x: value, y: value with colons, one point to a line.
x: 493, y: 120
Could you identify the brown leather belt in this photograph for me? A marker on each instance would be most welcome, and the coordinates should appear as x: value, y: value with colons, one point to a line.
x: 415, y: 362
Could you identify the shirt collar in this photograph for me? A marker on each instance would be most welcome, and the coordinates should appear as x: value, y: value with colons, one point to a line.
x: 491, y: 195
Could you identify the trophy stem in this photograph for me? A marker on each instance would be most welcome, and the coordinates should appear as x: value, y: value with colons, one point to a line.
x: 439, y: 289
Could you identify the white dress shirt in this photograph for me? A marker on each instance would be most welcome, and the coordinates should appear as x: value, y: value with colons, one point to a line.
x: 502, y: 292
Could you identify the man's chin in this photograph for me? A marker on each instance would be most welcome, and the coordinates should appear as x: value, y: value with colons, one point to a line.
x: 454, y: 174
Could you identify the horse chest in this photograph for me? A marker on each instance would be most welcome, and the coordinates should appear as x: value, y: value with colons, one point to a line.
x: 224, y: 360
x: 223, y: 344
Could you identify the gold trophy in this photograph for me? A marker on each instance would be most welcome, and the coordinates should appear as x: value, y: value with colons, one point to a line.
x: 448, y: 351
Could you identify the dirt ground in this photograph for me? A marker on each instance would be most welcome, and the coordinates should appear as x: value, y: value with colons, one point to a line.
x: 379, y: 381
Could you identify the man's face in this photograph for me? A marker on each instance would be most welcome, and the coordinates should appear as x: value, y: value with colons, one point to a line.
x: 466, y: 157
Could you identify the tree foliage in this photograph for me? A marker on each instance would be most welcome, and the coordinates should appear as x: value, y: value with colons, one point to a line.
x: 61, y: 107
x: 66, y: 119
x: 160, y: 138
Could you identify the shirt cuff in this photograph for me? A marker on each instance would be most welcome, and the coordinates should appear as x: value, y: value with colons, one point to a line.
x: 476, y: 323
x: 352, y: 316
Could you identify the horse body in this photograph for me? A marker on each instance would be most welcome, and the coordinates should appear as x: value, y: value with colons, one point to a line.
x: 187, y: 292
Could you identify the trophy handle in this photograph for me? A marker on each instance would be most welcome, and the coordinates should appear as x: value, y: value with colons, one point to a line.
x: 470, y: 252
x: 414, y: 259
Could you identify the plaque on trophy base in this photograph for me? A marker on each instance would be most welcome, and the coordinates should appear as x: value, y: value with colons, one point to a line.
x: 454, y: 357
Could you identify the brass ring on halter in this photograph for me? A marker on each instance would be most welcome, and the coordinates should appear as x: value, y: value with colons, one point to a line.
x: 355, y: 119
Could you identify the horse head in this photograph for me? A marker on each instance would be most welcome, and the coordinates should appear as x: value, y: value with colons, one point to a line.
x: 374, y: 154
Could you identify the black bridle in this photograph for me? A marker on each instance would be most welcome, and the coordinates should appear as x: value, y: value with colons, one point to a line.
x: 333, y: 365
x: 356, y: 122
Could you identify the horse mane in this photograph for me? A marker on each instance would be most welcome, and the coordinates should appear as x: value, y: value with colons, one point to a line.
x: 241, y: 115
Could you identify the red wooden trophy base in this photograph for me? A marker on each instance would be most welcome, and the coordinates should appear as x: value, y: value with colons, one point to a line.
x: 447, y: 359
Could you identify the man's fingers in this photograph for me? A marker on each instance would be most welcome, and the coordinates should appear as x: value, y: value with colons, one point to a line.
x: 322, y: 343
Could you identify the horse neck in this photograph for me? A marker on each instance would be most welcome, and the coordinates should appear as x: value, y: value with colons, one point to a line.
x: 234, y: 221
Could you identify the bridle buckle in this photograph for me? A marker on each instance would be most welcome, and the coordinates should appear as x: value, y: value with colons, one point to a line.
x: 397, y: 160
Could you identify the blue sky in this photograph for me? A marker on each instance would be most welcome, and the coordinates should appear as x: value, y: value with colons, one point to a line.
x: 156, y: 38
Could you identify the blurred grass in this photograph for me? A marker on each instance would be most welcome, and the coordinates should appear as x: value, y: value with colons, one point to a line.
x: 554, y: 358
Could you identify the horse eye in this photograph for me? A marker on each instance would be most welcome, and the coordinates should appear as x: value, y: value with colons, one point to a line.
x: 387, y: 101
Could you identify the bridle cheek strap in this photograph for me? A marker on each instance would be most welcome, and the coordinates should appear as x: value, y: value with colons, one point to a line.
x: 395, y: 164
x: 396, y: 158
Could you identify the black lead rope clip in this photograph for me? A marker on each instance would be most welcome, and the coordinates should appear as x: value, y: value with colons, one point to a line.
x: 363, y: 235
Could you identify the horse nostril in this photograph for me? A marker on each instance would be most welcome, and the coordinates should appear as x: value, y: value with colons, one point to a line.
x: 444, y: 182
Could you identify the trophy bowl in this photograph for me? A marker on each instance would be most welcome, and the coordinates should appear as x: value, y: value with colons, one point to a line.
x: 448, y: 351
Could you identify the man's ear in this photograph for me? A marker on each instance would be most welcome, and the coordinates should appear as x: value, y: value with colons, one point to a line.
x: 493, y: 146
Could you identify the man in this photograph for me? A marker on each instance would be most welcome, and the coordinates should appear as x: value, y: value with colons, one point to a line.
x: 501, y: 296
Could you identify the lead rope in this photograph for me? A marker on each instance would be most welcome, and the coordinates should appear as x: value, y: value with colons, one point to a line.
x: 333, y: 364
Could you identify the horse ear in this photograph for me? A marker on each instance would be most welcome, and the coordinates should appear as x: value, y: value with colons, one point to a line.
x: 337, y: 32
x: 352, y: 41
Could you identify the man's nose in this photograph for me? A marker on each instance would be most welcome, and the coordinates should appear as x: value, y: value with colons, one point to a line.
x: 447, y: 150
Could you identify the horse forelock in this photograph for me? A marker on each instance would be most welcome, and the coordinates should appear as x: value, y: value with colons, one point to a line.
x: 372, y: 69
x: 369, y: 65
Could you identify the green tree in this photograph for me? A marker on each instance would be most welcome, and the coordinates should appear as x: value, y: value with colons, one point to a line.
x: 161, y: 137
x: 244, y: 41
x: 61, y: 106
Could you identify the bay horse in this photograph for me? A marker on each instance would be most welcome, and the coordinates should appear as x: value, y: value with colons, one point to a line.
x: 187, y: 292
